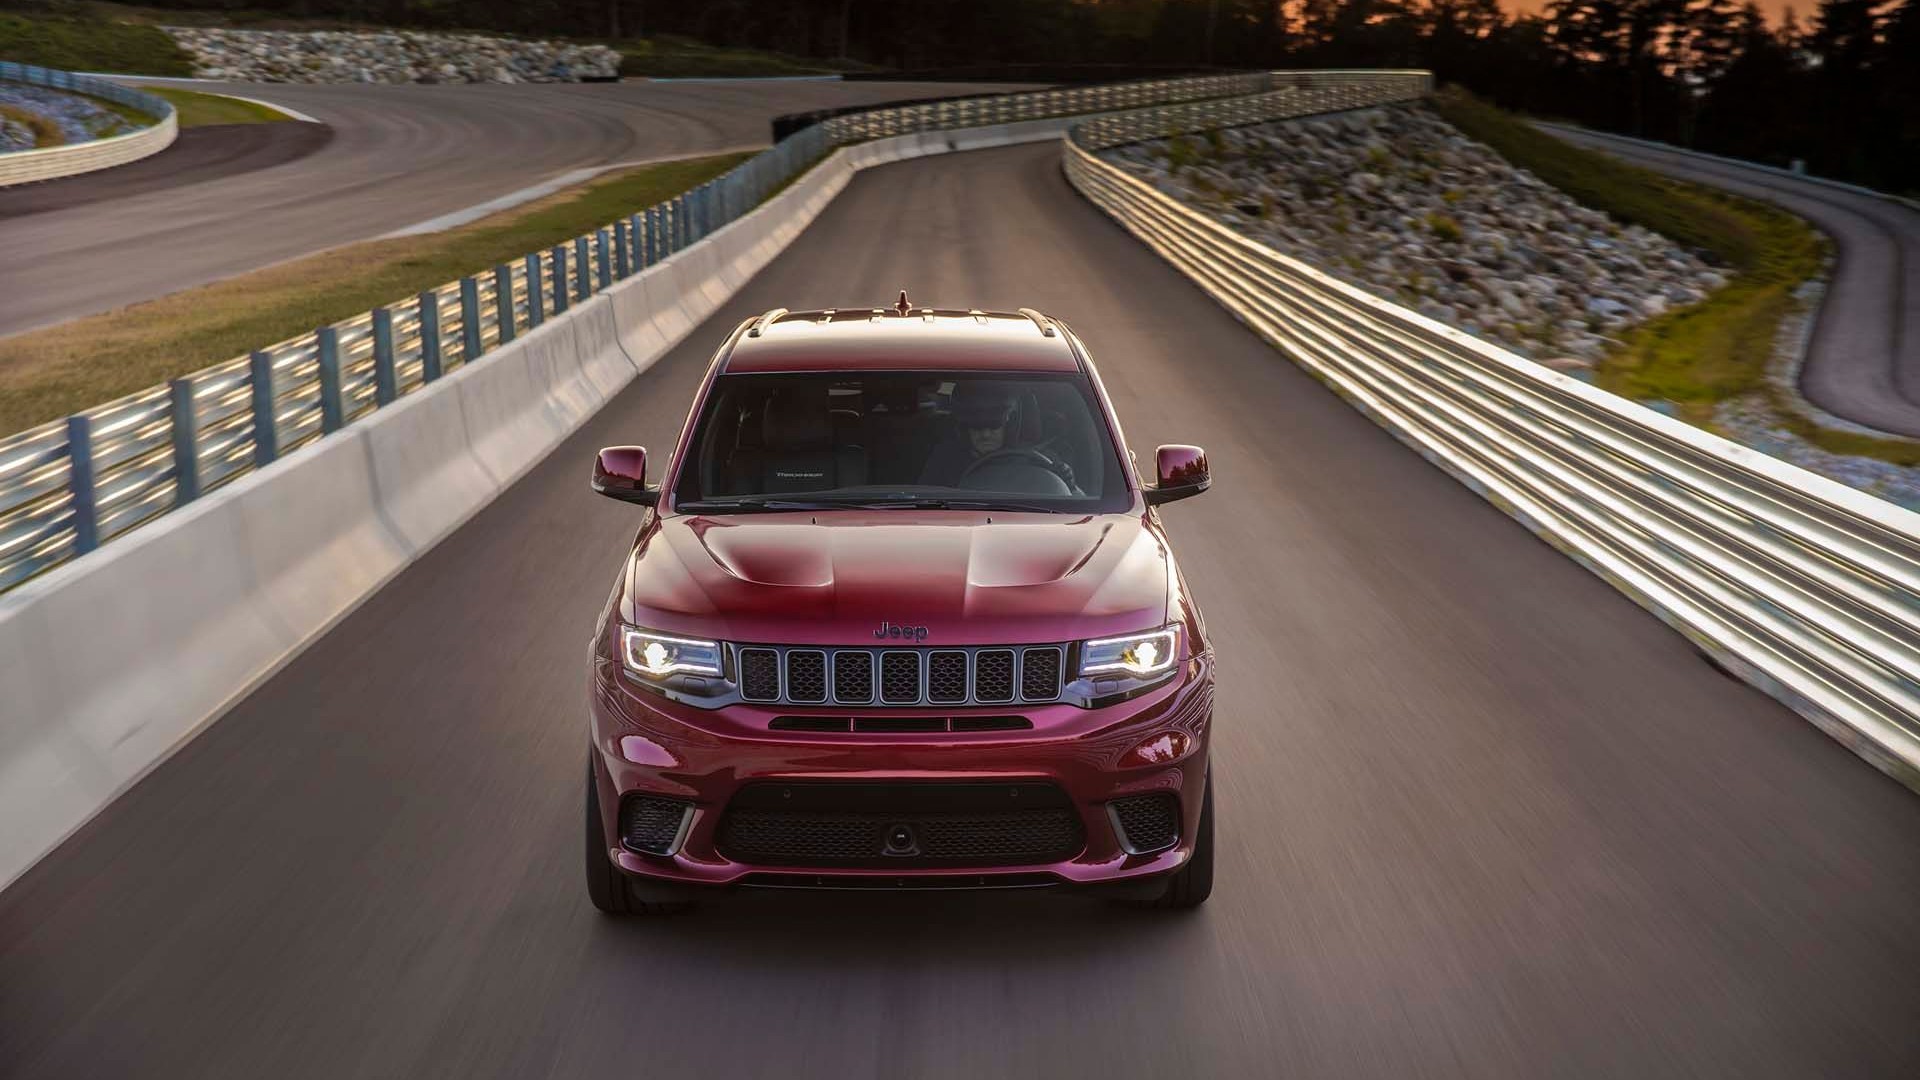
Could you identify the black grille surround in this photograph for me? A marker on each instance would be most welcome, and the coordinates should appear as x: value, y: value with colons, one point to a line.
x: 857, y: 825
x: 1146, y: 823
x: 953, y: 675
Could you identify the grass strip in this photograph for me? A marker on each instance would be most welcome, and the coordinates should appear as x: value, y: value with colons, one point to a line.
x: 47, y: 374
x: 1720, y: 348
x: 90, y: 44
x: 202, y: 110
x: 45, y: 132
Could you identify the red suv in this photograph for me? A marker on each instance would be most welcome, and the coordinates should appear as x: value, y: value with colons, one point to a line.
x: 901, y: 616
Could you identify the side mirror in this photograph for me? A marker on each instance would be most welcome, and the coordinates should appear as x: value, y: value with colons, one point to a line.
x: 620, y: 472
x: 1182, y: 473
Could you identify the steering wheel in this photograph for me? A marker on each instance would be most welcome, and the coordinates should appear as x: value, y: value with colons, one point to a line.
x: 1030, y: 455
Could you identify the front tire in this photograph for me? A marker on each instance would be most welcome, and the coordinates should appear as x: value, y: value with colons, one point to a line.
x: 1190, y: 885
x: 607, y: 887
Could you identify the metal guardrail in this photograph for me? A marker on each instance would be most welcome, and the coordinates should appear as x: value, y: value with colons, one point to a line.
x: 46, y: 163
x: 70, y: 485
x: 1802, y: 586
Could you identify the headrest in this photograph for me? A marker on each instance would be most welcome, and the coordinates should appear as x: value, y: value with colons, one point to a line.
x: 796, y: 418
x: 982, y: 405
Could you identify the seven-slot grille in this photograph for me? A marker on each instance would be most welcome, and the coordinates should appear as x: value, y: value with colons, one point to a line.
x: 983, y: 675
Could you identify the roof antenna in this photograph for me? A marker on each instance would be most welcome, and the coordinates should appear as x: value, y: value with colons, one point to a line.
x: 902, y: 306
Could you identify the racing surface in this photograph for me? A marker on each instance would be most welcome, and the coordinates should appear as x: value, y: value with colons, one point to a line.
x: 1479, y: 815
x: 400, y: 155
x: 1863, y: 361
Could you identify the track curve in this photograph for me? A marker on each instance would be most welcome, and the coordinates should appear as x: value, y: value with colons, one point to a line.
x: 1480, y: 815
x: 1863, y: 361
x: 399, y: 156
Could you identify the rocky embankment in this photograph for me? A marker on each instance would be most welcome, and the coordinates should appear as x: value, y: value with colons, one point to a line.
x: 34, y: 116
x: 330, y: 56
x: 1397, y: 200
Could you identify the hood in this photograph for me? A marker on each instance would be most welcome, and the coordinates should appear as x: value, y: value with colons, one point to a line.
x: 968, y: 578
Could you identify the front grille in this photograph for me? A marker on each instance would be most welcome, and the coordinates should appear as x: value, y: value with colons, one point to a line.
x: 852, y: 677
x: 760, y: 674
x: 993, y: 675
x: 1040, y: 674
x: 651, y: 824
x: 986, y: 675
x: 807, y: 675
x: 1147, y: 823
x: 946, y: 677
x: 900, y: 678
x: 899, y: 825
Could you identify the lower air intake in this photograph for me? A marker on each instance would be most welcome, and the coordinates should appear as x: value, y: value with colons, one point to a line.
x: 872, y: 826
x: 1147, y: 823
x: 650, y: 824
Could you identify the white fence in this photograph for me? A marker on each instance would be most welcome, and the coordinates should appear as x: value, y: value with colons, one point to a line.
x: 1803, y: 587
x: 49, y: 162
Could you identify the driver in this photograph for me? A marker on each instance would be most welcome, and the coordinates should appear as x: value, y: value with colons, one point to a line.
x: 981, y: 414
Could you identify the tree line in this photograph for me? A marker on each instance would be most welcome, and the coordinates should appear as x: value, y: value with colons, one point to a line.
x: 1839, y: 90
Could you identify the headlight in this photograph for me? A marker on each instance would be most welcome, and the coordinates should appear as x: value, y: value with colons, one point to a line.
x: 1147, y: 653
x: 657, y: 655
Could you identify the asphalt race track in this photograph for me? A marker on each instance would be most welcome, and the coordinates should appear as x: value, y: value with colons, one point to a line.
x: 400, y: 155
x: 1863, y: 362
x: 1479, y: 815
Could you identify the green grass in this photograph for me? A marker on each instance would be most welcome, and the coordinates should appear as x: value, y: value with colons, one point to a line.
x: 45, y: 132
x: 50, y: 373
x: 90, y: 44
x: 202, y: 110
x: 1701, y: 355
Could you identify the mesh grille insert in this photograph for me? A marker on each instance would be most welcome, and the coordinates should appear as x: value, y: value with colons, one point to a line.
x: 946, y: 677
x: 759, y: 675
x: 1040, y: 674
x: 853, y: 677
x: 806, y: 675
x: 993, y: 675
x: 900, y: 825
x: 1147, y: 823
x: 651, y: 824
x: 900, y: 678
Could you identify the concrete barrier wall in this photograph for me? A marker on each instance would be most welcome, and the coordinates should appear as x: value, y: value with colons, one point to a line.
x: 112, y: 662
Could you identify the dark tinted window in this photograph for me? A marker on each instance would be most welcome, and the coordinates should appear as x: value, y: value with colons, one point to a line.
x: 1036, y: 441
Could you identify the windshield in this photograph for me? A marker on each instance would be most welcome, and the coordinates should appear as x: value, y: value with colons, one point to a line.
x: 965, y: 440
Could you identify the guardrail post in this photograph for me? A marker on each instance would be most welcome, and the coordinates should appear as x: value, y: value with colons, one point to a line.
x: 603, y: 251
x: 620, y: 261
x: 184, y: 420
x: 503, y: 302
x: 583, y: 269
x: 429, y: 336
x: 332, y: 414
x: 266, y: 435
x: 86, y: 513
x: 653, y: 235
x: 560, y: 279
x: 469, y: 320
x: 536, y: 303
x: 386, y: 385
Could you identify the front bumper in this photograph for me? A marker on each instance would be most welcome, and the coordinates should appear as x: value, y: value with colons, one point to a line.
x: 647, y: 744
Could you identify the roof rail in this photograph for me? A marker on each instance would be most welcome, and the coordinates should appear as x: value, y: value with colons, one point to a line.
x: 1045, y: 324
x: 765, y: 321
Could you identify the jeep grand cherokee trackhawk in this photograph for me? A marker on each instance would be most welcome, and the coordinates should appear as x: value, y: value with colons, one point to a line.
x: 902, y: 616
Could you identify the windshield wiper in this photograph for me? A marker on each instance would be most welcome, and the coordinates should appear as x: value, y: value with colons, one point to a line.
x: 957, y: 504
x: 759, y: 502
